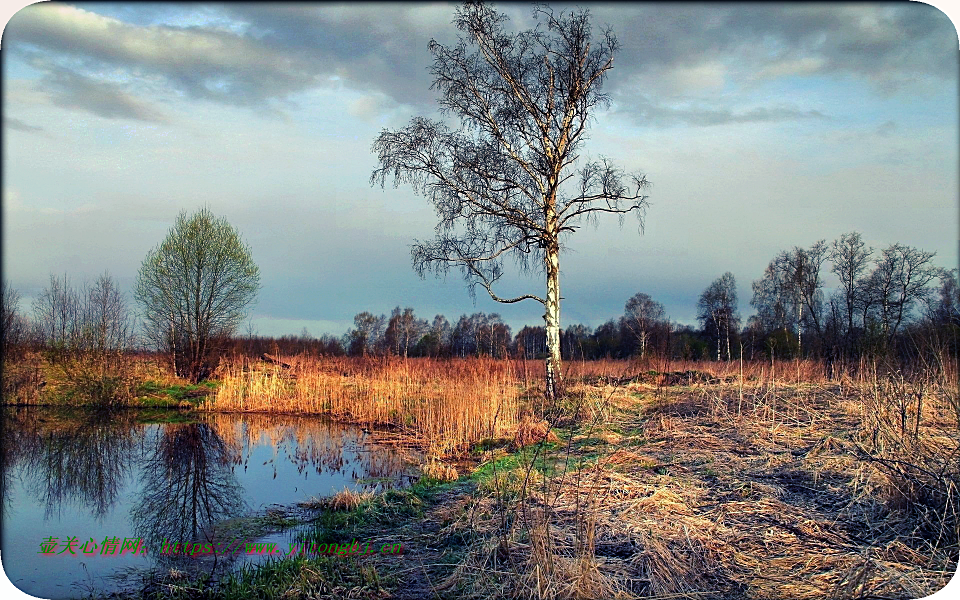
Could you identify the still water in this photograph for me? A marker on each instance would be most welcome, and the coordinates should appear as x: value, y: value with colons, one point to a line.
x: 95, y: 477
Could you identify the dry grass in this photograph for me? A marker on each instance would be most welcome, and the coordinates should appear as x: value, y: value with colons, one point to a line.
x: 21, y: 381
x: 764, y: 490
x: 439, y: 471
x: 344, y: 500
x: 530, y: 431
x: 446, y: 406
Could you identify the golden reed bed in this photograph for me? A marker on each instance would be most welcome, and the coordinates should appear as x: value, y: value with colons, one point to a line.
x: 447, y: 405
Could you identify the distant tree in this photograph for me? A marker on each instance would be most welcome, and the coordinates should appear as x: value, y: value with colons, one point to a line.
x: 944, y: 307
x: 899, y: 281
x: 790, y: 294
x: 403, y: 331
x: 850, y: 257
x: 57, y: 312
x: 505, y: 183
x: 195, y: 288
x: 578, y: 343
x: 499, y: 338
x: 642, y: 314
x: 366, y: 337
x: 717, y: 310
x: 436, y: 341
x: 609, y: 339
x: 15, y: 327
x: 530, y: 342
x: 107, y: 325
x: 688, y: 344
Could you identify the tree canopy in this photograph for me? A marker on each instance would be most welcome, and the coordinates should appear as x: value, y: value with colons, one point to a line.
x: 509, y: 181
x: 195, y: 288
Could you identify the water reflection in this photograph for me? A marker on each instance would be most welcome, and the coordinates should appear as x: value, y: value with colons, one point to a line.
x: 311, y: 445
x: 95, y: 475
x: 82, y: 460
x: 186, y: 486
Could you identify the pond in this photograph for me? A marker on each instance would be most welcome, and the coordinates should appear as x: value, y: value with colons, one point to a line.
x: 91, y: 499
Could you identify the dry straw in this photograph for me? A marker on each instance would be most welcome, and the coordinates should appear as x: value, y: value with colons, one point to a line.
x: 445, y: 406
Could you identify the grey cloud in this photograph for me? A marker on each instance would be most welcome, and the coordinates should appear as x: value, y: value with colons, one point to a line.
x: 370, y: 46
x: 285, y: 49
x: 260, y: 54
x: 19, y: 125
x: 889, y: 45
x: 70, y: 90
x: 202, y: 62
x: 648, y: 112
x: 886, y: 128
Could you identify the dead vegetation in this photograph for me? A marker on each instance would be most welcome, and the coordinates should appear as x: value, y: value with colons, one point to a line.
x: 680, y: 481
x: 667, y: 480
x: 445, y: 406
x: 771, y: 490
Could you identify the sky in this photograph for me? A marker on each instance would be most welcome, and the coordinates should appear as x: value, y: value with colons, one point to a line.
x: 761, y: 127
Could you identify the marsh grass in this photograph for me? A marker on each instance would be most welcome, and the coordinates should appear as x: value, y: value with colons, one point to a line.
x: 445, y: 406
x: 762, y: 487
x: 657, y: 478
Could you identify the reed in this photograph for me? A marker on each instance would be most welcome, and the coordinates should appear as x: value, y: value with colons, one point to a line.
x: 445, y: 406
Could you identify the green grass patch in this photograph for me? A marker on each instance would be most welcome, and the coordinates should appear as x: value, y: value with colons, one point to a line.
x: 302, y: 577
x: 190, y: 391
x: 388, y: 509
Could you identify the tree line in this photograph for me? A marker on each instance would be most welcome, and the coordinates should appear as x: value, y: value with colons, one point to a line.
x: 885, y: 302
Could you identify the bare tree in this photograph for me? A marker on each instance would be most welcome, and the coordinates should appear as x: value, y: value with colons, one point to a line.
x: 805, y: 283
x: 898, y: 281
x: 944, y: 308
x: 509, y: 182
x: 366, y: 337
x: 404, y: 330
x: 718, y: 307
x: 14, y: 325
x: 850, y: 258
x: 791, y: 291
x: 107, y: 324
x: 642, y: 313
x: 57, y: 313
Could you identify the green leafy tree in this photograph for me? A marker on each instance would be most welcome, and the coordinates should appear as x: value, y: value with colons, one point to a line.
x: 195, y: 288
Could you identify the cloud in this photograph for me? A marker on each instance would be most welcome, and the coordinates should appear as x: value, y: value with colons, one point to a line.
x: 208, y: 63
x: 371, y: 47
x: 890, y: 46
x: 886, y: 128
x: 70, y: 90
x: 263, y: 55
x: 19, y: 125
x: 367, y: 107
x: 647, y: 112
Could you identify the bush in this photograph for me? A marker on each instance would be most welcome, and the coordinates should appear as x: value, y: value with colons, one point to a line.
x: 105, y: 382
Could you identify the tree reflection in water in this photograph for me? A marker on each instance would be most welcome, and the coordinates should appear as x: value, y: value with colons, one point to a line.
x: 83, y: 460
x: 187, y: 486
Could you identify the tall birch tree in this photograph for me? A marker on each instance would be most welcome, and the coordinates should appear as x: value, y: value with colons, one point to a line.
x: 509, y: 180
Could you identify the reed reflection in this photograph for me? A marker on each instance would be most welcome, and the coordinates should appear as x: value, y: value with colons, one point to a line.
x: 187, y: 486
x: 312, y: 443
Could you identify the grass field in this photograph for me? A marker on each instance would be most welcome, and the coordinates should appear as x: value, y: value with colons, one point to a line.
x: 660, y: 479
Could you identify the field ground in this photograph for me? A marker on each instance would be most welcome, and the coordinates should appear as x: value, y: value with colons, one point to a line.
x: 667, y: 483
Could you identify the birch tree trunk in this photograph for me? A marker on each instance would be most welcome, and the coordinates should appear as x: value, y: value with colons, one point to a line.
x: 554, y: 379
